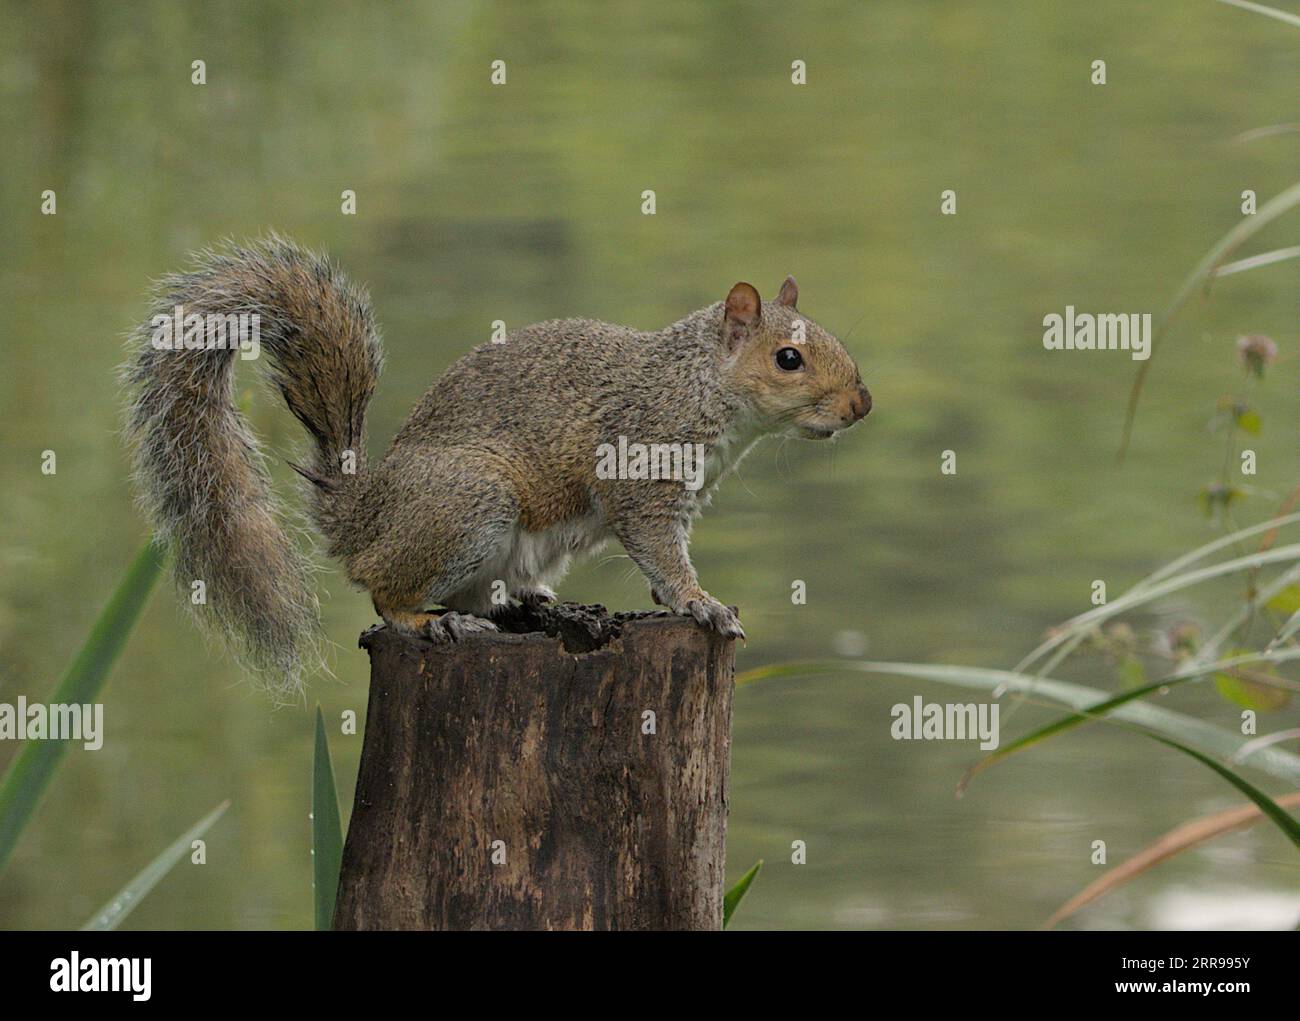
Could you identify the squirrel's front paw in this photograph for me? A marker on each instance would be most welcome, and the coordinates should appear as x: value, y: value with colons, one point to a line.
x: 725, y: 620
x: 453, y: 626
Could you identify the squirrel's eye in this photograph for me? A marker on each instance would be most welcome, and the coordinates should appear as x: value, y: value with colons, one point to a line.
x: 788, y: 359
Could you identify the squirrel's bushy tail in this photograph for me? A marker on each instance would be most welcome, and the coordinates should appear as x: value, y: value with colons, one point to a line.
x: 201, y: 475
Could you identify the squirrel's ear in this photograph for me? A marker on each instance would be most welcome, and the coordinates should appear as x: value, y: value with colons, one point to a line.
x: 741, y: 317
x: 789, y: 293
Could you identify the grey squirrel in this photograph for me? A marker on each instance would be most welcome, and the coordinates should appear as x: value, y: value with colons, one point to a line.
x: 494, y: 477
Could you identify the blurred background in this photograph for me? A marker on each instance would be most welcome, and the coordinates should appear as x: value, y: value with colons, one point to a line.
x: 522, y: 203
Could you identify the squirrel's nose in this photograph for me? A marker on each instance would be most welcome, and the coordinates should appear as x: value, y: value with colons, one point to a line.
x: 860, y: 403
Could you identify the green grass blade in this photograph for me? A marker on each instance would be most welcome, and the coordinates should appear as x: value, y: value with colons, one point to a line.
x: 1093, y: 712
x: 1150, y: 592
x: 30, y: 773
x: 1246, y: 609
x: 802, y: 668
x: 1263, y: 741
x: 1275, y: 761
x: 326, y: 829
x: 1152, y: 721
x: 1291, y: 626
x: 737, y: 893
x: 112, y: 914
x: 1285, y: 821
x: 1223, y: 542
x: 1256, y: 261
x: 1173, y: 567
x: 1268, y: 12
x: 1201, y: 274
x: 1267, y: 131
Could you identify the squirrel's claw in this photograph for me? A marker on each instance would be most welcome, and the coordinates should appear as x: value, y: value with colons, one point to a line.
x: 710, y: 613
x: 536, y: 596
x: 453, y: 626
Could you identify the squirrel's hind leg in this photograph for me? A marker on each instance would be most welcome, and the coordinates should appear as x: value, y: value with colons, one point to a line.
x: 439, y: 525
x: 453, y: 626
x: 449, y: 626
x: 404, y: 621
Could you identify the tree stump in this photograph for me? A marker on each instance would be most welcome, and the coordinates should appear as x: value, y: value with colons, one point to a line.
x: 570, y: 772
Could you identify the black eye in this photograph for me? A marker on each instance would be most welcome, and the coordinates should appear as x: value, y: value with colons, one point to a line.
x: 788, y: 359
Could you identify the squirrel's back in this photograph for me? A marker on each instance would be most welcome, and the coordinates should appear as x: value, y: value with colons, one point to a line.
x: 575, y: 380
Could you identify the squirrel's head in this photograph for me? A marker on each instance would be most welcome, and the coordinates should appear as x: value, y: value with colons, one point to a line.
x: 798, y: 378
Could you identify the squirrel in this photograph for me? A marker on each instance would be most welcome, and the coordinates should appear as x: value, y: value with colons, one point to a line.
x: 491, y: 485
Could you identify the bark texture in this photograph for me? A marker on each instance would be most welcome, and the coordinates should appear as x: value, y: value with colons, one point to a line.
x: 531, y: 747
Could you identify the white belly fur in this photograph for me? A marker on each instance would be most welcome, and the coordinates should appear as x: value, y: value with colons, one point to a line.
x: 530, y: 560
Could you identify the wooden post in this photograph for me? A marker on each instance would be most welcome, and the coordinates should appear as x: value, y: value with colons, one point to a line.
x: 509, y: 781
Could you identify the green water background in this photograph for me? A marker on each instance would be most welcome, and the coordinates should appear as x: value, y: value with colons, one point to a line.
x: 521, y: 203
